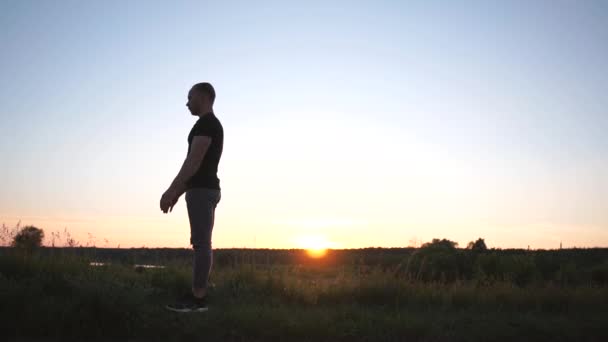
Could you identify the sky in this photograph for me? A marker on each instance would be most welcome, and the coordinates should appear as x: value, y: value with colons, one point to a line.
x: 354, y: 123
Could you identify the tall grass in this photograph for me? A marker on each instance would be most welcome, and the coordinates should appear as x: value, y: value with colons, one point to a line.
x: 263, y: 294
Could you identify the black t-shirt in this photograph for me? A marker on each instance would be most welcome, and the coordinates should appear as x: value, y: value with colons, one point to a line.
x: 206, y: 175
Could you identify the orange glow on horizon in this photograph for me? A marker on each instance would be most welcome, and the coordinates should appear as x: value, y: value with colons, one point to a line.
x: 316, y: 252
x: 316, y: 246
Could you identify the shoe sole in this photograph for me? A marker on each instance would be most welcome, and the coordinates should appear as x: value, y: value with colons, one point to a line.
x: 186, y: 310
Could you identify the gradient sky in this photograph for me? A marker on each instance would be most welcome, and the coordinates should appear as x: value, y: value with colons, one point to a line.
x: 376, y: 123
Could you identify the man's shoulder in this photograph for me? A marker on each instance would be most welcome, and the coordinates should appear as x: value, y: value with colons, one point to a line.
x: 214, y: 121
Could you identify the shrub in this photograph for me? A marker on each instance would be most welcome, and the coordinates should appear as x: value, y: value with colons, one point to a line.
x: 28, y: 238
x: 477, y: 246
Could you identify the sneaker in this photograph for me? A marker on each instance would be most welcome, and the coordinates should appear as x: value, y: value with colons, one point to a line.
x: 189, y: 303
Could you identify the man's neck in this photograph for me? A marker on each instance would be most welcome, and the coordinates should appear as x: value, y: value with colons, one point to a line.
x: 205, y: 112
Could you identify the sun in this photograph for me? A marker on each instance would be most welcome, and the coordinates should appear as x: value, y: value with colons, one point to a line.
x: 316, y: 252
x: 315, y: 245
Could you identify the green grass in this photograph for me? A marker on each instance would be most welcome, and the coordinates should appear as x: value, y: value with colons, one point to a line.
x: 59, y: 296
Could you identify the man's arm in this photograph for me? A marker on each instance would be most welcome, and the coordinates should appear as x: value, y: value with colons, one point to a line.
x: 198, y: 149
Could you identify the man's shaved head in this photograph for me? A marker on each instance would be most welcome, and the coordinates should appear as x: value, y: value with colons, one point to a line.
x: 200, y: 98
x: 206, y: 89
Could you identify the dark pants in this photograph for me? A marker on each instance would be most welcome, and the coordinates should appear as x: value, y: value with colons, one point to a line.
x: 201, y: 203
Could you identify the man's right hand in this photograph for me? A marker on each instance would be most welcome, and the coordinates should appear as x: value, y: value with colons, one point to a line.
x: 168, y: 200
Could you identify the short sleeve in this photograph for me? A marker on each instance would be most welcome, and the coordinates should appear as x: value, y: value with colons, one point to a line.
x: 203, y: 128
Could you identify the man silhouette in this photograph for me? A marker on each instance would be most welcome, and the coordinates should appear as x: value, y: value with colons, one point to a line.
x: 198, y: 179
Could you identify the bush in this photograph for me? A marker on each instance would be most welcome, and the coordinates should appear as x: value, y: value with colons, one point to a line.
x: 438, y: 260
x: 477, y: 246
x: 28, y: 238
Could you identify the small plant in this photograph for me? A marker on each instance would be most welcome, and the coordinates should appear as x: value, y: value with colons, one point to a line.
x: 7, y: 235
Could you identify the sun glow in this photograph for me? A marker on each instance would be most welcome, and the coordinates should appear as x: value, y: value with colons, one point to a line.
x: 316, y: 252
x: 316, y: 246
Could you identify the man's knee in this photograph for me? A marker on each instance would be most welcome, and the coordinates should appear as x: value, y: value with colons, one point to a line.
x: 201, y: 245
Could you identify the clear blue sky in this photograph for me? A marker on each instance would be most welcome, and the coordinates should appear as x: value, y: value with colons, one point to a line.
x: 374, y: 123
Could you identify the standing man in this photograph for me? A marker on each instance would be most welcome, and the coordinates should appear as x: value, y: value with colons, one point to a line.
x: 198, y: 179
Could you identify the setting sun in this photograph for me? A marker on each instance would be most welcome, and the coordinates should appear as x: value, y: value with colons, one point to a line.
x: 316, y: 252
x: 316, y: 246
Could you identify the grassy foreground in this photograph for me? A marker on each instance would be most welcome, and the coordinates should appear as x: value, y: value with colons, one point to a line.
x: 59, y: 296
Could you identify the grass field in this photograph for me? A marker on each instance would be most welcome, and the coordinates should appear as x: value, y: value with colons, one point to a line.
x: 349, y: 295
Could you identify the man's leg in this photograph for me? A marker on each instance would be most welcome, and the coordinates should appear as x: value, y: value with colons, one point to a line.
x: 201, y: 204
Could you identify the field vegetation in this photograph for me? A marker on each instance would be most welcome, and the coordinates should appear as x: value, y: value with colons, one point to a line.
x: 436, y: 292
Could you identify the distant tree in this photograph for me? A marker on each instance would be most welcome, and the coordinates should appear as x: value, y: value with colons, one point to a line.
x: 479, y: 245
x: 29, y: 237
x: 440, y: 244
x: 438, y: 260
